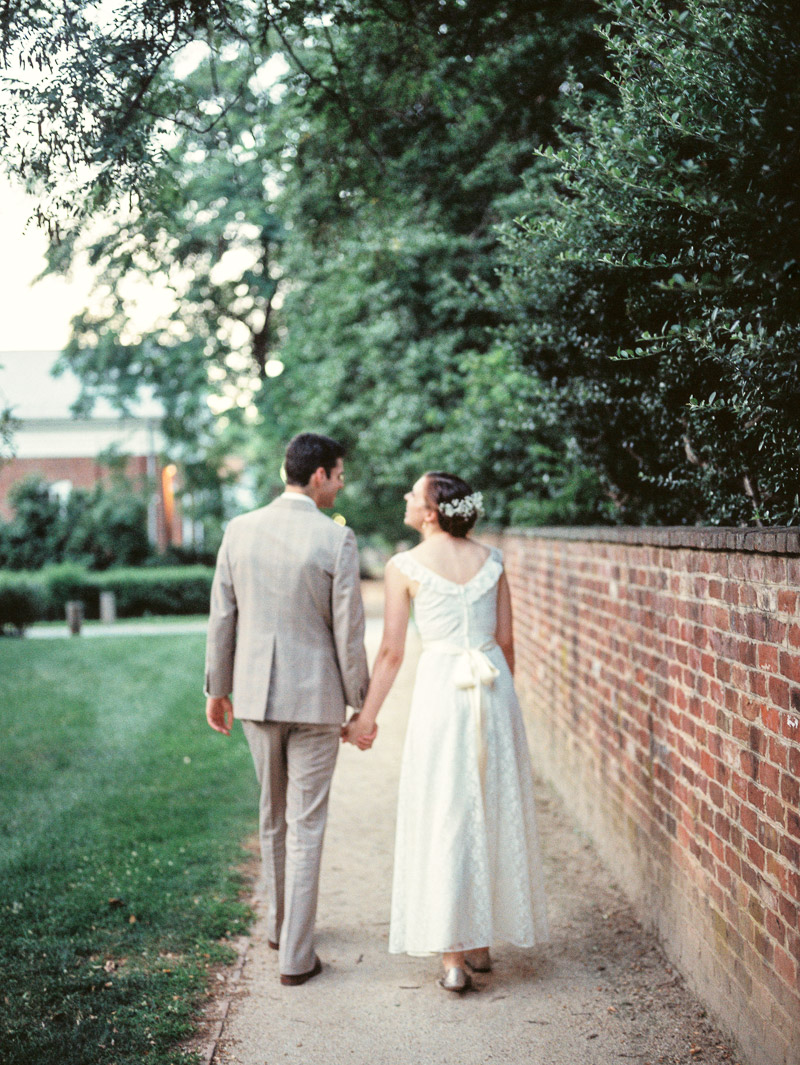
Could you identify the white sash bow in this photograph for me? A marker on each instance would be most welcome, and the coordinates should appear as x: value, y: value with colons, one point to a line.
x: 473, y: 671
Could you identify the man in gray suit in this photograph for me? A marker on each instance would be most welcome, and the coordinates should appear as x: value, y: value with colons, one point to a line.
x: 286, y: 637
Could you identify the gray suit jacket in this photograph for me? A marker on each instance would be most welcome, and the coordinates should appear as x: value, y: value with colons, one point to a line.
x: 286, y: 630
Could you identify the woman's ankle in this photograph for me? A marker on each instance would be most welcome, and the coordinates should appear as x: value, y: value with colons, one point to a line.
x: 453, y: 959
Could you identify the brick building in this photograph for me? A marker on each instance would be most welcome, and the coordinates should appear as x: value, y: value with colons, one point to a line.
x: 51, y: 442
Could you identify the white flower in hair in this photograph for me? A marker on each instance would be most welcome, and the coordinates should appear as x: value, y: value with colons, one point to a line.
x: 464, y: 507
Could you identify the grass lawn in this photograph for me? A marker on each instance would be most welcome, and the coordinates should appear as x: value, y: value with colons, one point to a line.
x: 121, y: 821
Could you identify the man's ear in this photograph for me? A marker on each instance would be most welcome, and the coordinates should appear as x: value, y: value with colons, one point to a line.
x: 318, y: 477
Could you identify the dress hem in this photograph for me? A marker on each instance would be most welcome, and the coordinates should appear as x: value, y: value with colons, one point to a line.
x: 430, y: 953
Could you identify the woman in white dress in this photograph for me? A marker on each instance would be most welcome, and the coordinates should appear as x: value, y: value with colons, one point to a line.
x: 467, y: 866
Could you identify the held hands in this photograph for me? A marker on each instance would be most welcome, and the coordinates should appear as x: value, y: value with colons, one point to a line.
x: 219, y: 713
x: 360, y: 733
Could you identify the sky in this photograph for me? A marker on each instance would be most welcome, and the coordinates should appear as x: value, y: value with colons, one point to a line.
x: 31, y: 318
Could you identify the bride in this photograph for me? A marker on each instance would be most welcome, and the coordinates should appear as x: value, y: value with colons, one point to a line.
x: 467, y: 866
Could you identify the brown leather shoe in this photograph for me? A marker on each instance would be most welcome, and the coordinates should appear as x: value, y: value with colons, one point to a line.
x: 273, y: 944
x: 293, y: 980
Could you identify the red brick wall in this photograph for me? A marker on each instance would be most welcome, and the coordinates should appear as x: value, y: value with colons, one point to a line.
x: 660, y: 673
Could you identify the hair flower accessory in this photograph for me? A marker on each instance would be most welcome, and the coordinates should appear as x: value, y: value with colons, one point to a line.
x: 464, y: 507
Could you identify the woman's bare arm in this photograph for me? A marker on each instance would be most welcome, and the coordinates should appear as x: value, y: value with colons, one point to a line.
x: 361, y: 728
x: 504, y: 633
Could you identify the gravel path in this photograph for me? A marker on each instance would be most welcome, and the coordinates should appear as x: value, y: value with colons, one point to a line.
x: 601, y: 993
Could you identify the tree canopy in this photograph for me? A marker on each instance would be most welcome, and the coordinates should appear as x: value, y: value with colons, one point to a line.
x: 464, y: 244
x: 654, y: 273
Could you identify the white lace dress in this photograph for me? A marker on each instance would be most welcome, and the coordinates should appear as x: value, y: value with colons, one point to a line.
x: 467, y: 869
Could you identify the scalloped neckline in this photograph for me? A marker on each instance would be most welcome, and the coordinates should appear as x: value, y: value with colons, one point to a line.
x: 455, y: 584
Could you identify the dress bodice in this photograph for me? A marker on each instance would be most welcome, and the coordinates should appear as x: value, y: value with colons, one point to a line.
x: 463, y: 614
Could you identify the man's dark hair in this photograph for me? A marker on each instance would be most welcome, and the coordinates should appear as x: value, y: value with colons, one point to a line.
x: 305, y: 453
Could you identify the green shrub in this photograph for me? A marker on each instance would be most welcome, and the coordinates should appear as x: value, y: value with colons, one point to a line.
x: 654, y: 269
x: 44, y: 594
x: 167, y: 590
x: 99, y: 527
x: 109, y: 527
x: 66, y: 581
x: 22, y: 601
x: 35, y: 535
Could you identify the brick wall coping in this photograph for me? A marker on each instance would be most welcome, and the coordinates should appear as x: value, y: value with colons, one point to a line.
x: 775, y: 541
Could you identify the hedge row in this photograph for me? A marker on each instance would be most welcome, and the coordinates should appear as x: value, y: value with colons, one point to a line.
x: 42, y: 595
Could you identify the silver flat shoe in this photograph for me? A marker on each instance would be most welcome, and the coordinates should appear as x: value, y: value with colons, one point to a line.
x: 455, y: 979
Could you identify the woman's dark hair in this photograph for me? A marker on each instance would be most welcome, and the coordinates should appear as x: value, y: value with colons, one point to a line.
x: 305, y: 453
x: 443, y: 487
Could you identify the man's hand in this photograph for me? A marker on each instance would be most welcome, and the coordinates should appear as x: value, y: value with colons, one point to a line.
x: 359, y: 733
x: 219, y: 713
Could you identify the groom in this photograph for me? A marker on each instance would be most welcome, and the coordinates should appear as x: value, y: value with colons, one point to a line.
x: 286, y: 637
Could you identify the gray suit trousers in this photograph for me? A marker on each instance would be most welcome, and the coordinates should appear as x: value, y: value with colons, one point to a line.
x: 294, y: 765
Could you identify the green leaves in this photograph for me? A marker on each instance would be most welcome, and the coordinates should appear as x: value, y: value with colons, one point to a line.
x: 356, y: 219
x: 392, y: 319
x: 101, y: 526
x: 649, y: 279
x: 84, y: 104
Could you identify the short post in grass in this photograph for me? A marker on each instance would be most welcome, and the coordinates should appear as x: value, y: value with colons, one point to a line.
x: 108, y: 607
x: 74, y: 616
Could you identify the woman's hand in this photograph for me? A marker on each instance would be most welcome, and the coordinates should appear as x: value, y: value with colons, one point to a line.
x: 360, y: 733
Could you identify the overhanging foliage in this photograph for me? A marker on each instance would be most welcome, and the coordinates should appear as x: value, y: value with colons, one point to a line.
x: 654, y: 275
